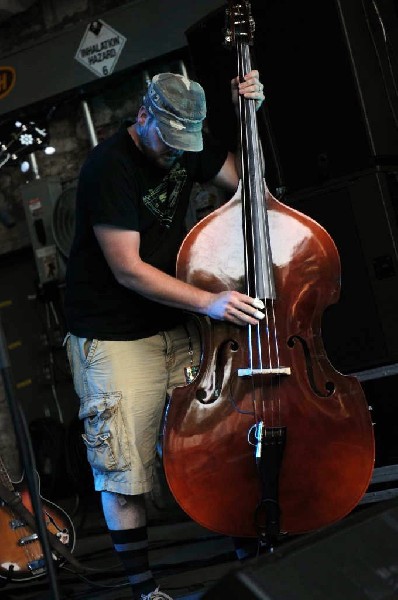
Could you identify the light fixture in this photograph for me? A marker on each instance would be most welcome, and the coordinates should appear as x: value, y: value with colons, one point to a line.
x: 25, y: 166
x: 49, y: 150
x: 26, y: 139
x: 23, y: 140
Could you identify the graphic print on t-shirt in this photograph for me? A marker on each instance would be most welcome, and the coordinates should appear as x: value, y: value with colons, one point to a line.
x: 162, y: 200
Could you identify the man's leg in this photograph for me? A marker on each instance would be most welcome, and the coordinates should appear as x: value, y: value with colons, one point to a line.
x: 126, y: 520
x: 122, y: 388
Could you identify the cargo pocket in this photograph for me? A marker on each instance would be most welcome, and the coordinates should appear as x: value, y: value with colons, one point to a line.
x: 105, y: 435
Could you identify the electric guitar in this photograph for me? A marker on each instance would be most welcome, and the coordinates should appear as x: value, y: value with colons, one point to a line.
x: 21, y: 555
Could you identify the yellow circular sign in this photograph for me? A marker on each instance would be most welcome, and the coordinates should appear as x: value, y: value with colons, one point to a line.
x: 7, y: 80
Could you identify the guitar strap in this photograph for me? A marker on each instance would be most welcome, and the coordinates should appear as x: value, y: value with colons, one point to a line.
x: 15, y: 502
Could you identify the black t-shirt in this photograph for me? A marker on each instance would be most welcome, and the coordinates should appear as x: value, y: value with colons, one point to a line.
x: 118, y: 186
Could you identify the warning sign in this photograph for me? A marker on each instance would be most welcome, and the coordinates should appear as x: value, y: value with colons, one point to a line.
x: 7, y: 80
x: 100, y: 48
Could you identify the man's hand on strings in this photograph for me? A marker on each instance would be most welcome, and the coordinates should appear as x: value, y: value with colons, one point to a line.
x: 236, y: 308
x: 251, y: 87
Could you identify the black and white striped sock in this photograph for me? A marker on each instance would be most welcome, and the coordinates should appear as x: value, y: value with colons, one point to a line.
x: 132, y: 548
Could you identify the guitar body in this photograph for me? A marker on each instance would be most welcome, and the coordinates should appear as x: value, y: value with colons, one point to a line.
x: 21, y: 555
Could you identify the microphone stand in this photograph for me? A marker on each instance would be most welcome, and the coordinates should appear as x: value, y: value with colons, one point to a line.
x: 28, y: 461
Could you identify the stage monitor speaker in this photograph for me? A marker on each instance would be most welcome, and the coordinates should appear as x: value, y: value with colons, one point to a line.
x: 357, y: 559
x: 329, y: 71
x: 360, y: 212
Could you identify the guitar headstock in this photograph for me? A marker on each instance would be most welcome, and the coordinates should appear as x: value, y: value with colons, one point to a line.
x: 21, y: 139
x: 239, y: 24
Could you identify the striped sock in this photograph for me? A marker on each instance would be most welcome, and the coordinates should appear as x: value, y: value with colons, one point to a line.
x: 132, y: 548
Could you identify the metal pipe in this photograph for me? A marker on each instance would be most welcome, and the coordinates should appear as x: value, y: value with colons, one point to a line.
x: 33, y: 164
x: 183, y: 69
x: 146, y: 77
x: 89, y: 124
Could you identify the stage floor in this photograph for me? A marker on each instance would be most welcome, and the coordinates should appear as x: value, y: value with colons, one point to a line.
x: 186, y: 558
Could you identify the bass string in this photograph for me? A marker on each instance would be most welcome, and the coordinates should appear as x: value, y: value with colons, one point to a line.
x: 266, y: 396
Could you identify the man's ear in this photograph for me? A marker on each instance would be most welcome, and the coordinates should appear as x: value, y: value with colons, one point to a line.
x: 142, y: 116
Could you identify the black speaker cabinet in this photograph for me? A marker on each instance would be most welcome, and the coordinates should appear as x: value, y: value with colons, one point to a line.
x: 357, y: 559
x: 380, y: 387
x: 360, y: 212
x: 329, y: 69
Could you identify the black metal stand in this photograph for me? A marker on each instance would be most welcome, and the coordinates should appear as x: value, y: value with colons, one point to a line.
x: 28, y: 461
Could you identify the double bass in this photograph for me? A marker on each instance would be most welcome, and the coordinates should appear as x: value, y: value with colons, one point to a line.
x: 268, y: 438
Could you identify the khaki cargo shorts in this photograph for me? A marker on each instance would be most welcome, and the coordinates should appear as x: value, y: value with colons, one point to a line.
x: 122, y: 386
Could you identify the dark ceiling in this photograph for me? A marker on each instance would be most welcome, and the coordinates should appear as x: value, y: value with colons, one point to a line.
x: 10, y: 8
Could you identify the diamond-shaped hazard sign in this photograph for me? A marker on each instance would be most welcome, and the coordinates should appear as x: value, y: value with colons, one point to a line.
x: 100, y: 48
